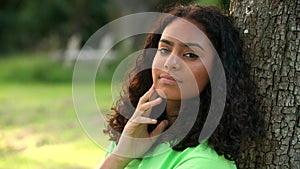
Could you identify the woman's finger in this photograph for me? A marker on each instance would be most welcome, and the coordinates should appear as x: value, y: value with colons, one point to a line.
x: 147, y: 95
x: 148, y: 105
x: 160, y: 128
x: 143, y: 120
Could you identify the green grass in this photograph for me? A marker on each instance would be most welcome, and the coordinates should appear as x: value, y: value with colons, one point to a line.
x: 39, y: 128
x: 38, y: 124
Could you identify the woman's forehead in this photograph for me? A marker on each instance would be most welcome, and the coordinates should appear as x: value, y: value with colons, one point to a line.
x: 184, y: 31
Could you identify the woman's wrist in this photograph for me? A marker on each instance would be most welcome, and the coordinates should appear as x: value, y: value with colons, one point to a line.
x: 114, y: 161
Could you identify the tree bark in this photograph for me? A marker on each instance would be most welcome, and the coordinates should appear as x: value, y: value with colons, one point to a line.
x: 271, y: 33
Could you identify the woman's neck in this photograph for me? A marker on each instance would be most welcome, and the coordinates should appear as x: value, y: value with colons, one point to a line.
x: 172, y: 110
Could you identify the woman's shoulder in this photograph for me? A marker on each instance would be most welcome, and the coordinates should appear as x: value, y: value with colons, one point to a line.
x: 200, y: 157
x: 203, y: 156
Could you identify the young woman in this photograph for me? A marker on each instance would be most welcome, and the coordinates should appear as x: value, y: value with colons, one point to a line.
x: 179, y: 83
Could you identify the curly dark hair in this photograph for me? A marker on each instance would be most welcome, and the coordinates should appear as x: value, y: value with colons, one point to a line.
x: 242, y: 116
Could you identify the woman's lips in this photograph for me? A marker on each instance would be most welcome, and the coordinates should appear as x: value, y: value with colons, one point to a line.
x: 167, y: 79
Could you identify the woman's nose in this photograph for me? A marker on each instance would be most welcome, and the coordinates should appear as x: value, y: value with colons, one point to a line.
x: 172, y: 63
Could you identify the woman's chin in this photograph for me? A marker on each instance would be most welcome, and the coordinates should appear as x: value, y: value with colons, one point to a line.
x: 168, y: 95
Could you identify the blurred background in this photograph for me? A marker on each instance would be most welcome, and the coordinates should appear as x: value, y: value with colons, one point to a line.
x: 40, y: 40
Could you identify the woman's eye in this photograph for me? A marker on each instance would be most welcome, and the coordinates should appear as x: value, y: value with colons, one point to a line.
x: 164, y: 51
x: 191, y: 55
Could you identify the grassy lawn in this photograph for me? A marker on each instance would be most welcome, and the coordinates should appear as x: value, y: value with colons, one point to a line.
x: 39, y: 128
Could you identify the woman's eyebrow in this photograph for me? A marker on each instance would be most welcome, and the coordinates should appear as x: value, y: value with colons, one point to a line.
x: 187, y: 44
x: 167, y: 42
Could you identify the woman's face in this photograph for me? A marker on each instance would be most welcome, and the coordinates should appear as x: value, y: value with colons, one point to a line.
x: 182, y: 61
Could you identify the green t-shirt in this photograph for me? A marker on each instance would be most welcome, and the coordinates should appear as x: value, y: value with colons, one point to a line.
x: 199, y: 157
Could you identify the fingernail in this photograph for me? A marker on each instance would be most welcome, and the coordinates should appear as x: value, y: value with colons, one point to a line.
x: 159, y: 99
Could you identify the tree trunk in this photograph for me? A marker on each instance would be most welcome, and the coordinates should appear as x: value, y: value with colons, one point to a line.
x: 271, y: 32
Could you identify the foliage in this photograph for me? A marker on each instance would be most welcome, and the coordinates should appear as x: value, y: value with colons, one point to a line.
x: 43, y: 68
x: 45, y: 24
x: 27, y: 68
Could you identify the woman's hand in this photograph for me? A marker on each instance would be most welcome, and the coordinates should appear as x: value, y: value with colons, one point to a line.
x: 135, y: 140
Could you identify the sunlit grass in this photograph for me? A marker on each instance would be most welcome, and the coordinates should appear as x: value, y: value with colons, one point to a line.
x: 39, y: 127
